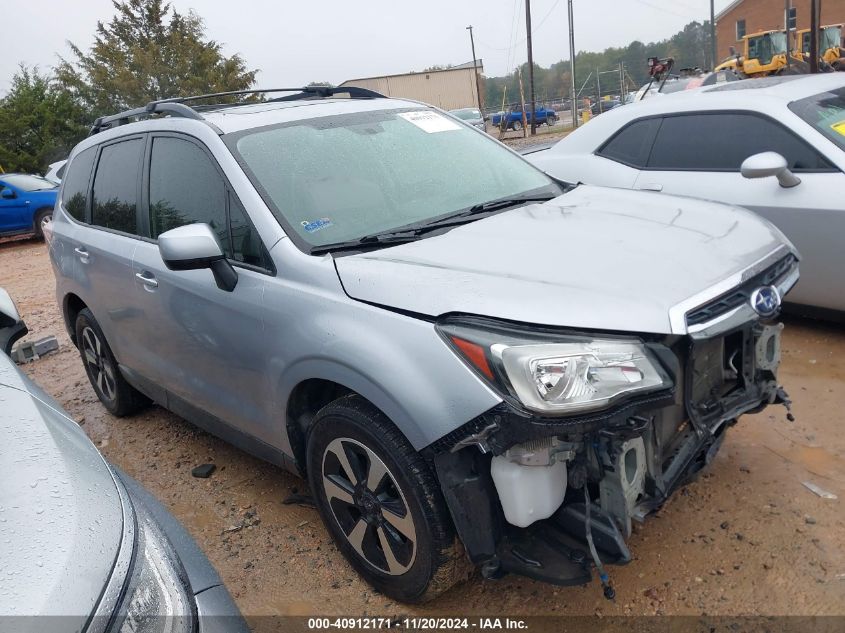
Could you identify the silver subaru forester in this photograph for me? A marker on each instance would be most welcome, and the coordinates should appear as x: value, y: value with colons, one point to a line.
x: 475, y: 365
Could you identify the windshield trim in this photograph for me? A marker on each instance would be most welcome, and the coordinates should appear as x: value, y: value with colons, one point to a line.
x: 231, y: 141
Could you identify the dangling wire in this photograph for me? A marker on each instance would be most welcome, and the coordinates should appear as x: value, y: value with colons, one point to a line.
x: 608, y: 590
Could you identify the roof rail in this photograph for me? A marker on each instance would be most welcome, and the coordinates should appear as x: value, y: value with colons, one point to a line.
x: 153, y: 107
x: 175, y: 106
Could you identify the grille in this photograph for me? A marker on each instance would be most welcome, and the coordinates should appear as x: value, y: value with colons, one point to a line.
x: 739, y: 295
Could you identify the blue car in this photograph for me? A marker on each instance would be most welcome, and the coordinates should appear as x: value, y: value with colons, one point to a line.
x: 26, y: 204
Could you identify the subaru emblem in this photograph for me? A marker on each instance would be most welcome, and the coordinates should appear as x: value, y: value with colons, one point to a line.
x: 766, y: 301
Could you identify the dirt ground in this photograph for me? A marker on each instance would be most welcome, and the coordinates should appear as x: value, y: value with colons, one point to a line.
x: 746, y: 538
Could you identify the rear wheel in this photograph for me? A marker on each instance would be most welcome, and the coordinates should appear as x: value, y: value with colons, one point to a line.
x: 381, y: 502
x: 42, y: 221
x: 117, y: 395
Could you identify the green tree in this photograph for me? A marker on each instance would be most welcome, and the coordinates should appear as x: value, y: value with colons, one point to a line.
x: 149, y: 51
x: 39, y: 122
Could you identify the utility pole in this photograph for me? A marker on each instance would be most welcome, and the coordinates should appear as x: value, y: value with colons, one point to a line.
x: 814, y: 36
x: 598, y: 90
x: 787, y: 30
x: 573, y: 106
x: 530, y: 67
x: 475, y: 69
x: 713, y: 34
x: 622, y: 82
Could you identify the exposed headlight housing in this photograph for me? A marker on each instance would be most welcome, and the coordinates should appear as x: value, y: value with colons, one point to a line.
x: 156, y: 599
x: 554, y: 374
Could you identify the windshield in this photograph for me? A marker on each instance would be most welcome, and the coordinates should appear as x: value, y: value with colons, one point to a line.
x: 467, y: 114
x: 25, y: 182
x: 343, y: 177
x: 764, y: 47
x: 829, y: 37
x: 826, y: 113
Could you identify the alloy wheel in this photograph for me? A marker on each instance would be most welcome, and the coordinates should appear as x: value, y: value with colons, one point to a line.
x: 369, y: 506
x: 100, y: 367
x: 45, y: 222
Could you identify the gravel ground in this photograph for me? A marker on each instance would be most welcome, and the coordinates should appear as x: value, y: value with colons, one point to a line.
x: 746, y: 538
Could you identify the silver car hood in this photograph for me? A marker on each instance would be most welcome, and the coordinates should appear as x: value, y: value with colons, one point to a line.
x: 594, y: 258
x: 61, y: 517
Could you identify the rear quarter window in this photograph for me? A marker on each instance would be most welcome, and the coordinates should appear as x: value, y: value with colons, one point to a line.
x: 75, y: 185
x: 632, y: 144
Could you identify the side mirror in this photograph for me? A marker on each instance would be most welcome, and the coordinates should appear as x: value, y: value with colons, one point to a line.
x: 193, y: 247
x: 8, y: 194
x: 11, y: 326
x: 768, y: 164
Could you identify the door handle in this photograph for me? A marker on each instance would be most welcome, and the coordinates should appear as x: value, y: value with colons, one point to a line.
x: 83, y: 254
x: 651, y: 186
x: 147, y: 281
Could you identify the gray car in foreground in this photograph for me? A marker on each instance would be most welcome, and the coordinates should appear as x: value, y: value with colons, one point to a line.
x: 83, y: 546
x: 470, y: 361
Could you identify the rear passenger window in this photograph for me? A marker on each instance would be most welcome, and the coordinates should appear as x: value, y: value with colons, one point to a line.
x: 632, y: 144
x: 185, y: 188
x: 116, y: 186
x: 722, y: 141
x: 75, y: 186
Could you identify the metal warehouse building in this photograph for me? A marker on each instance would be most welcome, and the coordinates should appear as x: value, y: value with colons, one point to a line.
x: 744, y: 17
x: 448, y: 89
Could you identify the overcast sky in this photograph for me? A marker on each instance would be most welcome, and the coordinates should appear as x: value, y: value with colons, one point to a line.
x: 294, y: 42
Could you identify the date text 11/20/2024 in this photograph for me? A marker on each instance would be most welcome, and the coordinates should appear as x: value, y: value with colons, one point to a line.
x: 418, y: 624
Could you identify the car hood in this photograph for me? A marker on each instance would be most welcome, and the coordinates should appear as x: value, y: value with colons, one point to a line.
x: 594, y: 258
x: 61, y: 517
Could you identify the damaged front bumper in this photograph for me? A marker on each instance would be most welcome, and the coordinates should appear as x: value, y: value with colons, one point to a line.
x: 620, y: 464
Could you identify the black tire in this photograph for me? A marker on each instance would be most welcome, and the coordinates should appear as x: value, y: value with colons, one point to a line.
x: 117, y: 395
x: 38, y: 222
x: 427, y: 557
x: 517, y: 125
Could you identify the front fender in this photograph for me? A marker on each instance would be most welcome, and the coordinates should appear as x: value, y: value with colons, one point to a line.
x: 397, y: 362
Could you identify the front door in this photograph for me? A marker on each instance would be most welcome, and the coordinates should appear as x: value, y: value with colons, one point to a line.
x: 12, y: 210
x: 204, y: 345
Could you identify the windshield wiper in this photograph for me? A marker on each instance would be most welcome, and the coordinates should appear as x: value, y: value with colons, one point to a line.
x: 413, y: 233
x: 377, y: 239
x: 485, y: 207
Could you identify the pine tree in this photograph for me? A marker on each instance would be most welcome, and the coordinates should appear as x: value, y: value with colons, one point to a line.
x: 149, y: 51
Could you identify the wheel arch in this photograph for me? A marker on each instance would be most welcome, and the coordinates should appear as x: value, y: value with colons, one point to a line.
x: 72, y: 305
x: 313, y: 384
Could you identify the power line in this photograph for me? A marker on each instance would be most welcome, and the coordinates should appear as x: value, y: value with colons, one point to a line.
x: 524, y: 39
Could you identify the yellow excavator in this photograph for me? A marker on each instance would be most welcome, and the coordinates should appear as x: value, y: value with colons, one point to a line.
x: 763, y: 53
x: 830, y: 45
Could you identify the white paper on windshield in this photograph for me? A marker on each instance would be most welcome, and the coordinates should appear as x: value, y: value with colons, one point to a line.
x: 429, y: 121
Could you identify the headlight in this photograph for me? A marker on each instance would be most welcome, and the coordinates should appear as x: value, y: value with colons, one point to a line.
x: 554, y: 374
x: 156, y: 598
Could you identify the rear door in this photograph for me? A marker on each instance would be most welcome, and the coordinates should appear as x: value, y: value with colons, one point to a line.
x: 204, y: 345
x: 699, y: 154
x: 103, y: 247
x: 14, y: 212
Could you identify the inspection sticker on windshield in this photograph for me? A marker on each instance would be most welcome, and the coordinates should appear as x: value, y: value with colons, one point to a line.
x: 312, y: 226
x: 839, y: 127
x: 429, y: 121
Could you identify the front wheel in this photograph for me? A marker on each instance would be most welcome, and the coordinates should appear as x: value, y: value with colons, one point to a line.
x: 381, y: 502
